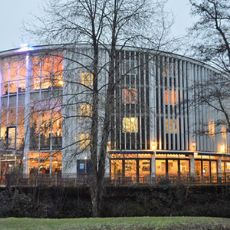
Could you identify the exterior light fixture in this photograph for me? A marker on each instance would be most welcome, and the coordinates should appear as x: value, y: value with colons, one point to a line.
x: 153, y: 145
x: 222, y: 148
x: 109, y: 146
x: 193, y: 145
x: 25, y: 47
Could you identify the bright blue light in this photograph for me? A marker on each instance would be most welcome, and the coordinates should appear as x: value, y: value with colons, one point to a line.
x: 25, y: 47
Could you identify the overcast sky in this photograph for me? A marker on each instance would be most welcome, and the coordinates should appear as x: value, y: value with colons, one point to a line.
x: 13, y: 12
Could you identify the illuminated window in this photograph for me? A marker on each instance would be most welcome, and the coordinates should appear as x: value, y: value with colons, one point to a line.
x: 87, y: 79
x: 58, y: 81
x: 130, y: 124
x: 22, y: 70
x: 129, y: 96
x: 11, y: 137
x: 45, y: 83
x: 36, y: 66
x: 86, y: 110
x: 14, y: 73
x: 47, y: 67
x: 171, y: 97
x: 58, y: 71
x: 211, y: 128
x: 171, y: 125
x: 58, y: 65
x: 224, y: 132
x: 84, y: 140
x: 13, y: 70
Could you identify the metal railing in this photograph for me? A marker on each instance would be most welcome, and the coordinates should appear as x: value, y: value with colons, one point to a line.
x: 73, y: 180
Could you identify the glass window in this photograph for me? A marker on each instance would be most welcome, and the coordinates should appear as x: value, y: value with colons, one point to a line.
x: 206, y: 170
x: 198, y: 168
x: 4, y: 88
x: 87, y: 79
x: 171, y: 125
x: 160, y: 168
x: 21, y: 127
x: 11, y: 137
x: 58, y: 65
x: 86, y: 110
x: 211, y: 128
x: 13, y: 70
x: 13, y: 87
x: 129, y: 96
x: 144, y: 169
x: 116, y: 169
x: 173, y: 167
x: 58, y: 81
x: 227, y: 167
x: 22, y: 70
x: 213, y: 167
x: 44, y: 163
x: 36, y: 66
x: 36, y: 83
x: 184, y: 167
x: 224, y: 132
x: 130, y: 124
x: 171, y: 97
x: 21, y: 85
x: 45, y: 83
x: 5, y: 74
x: 131, y: 169
x: 46, y: 66
x: 84, y: 140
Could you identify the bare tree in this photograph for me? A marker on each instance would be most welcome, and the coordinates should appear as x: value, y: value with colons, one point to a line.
x: 212, y: 45
x: 105, y: 27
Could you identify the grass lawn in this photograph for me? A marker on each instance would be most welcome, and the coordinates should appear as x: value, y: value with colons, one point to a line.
x: 132, y: 223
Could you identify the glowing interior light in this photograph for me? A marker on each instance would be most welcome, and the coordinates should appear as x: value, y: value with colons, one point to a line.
x: 154, y: 145
x: 222, y: 148
x: 61, y: 82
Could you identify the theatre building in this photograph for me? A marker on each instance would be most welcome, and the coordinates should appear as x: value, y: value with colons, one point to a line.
x: 155, y: 131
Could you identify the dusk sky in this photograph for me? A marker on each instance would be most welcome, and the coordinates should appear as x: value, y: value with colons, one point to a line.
x: 13, y: 12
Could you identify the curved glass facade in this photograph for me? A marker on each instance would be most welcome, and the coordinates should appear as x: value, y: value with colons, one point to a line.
x: 40, y: 89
